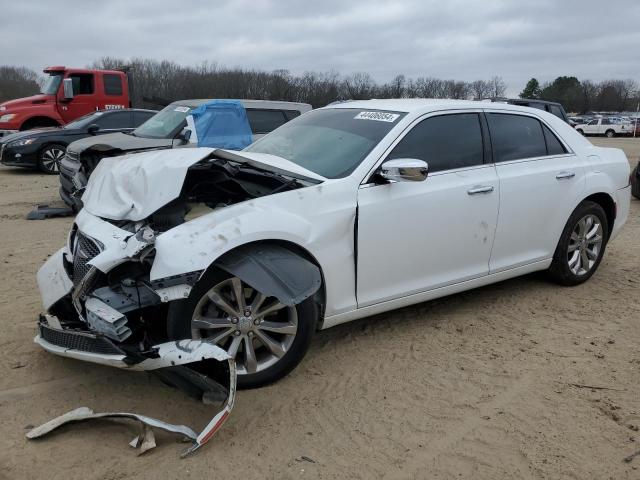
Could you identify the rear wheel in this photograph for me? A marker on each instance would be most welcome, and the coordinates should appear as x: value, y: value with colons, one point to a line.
x: 266, y: 338
x: 581, y: 245
x: 50, y: 157
x: 610, y: 133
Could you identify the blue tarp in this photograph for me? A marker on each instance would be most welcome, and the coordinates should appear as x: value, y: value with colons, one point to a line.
x: 222, y: 124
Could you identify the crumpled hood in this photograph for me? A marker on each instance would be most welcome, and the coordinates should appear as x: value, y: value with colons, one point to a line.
x: 132, y: 187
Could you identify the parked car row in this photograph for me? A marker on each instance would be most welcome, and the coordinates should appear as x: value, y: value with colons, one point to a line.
x: 44, y: 148
x: 607, y: 126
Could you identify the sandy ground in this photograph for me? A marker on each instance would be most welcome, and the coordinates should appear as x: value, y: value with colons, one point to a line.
x: 478, y: 385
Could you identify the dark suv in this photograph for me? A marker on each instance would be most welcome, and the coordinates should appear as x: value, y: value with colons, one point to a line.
x: 554, y: 108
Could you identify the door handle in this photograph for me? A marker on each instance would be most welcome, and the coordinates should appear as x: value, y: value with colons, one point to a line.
x: 480, y: 189
x: 565, y: 175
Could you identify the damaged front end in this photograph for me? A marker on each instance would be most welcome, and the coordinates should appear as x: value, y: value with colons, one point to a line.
x: 102, y: 302
x: 102, y: 308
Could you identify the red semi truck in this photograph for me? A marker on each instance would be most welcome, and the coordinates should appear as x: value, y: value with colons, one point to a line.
x: 67, y: 93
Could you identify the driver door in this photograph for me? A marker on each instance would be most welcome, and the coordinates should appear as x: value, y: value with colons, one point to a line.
x: 418, y: 236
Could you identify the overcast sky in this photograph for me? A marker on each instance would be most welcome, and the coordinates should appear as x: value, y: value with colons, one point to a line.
x: 459, y: 39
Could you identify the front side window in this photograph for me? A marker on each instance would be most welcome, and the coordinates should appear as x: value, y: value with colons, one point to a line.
x: 593, y: 122
x: 112, y: 84
x: 331, y: 142
x: 82, y: 83
x: 445, y: 142
x: 515, y: 137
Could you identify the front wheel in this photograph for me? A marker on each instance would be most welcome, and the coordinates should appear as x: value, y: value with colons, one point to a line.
x: 581, y: 245
x: 266, y: 338
x: 610, y: 133
x: 50, y: 157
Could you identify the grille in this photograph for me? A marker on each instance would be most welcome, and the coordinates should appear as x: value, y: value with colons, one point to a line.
x: 76, y: 340
x: 85, y: 250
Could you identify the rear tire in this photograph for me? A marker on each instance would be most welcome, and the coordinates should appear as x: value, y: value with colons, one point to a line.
x: 265, y: 366
x: 635, y: 182
x: 50, y: 157
x: 581, y: 245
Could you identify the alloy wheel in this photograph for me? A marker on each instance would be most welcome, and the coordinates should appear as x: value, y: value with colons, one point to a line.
x: 254, y: 329
x: 50, y: 159
x: 585, y: 244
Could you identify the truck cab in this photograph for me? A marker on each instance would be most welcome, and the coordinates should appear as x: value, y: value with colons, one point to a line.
x: 66, y: 94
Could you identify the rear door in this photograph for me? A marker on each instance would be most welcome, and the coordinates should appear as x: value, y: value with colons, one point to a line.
x: 417, y: 236
x: 541, y: 181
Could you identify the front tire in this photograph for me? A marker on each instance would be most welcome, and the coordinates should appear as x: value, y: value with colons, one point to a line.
x: 610, y: 134
x: 581, y: 246
x: 50, y: 157
x: 266, y: 338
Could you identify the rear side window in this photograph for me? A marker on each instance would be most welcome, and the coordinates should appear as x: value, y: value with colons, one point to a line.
x: 114, y: 120
x: 554, y: 146
x: 557, y: 111
x: 112, y: 84
x: 444, y: 142
x: 82, y: 83
x: 291, y: 114
x: 515, y: 136
x: 265, y: 121
x: 140, y: 117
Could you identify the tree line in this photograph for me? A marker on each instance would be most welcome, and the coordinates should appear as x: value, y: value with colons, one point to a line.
x: 156, y: 82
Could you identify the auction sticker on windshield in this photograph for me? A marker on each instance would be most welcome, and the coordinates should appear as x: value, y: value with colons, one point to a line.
x: 181, y: 109
x: 377, y: 116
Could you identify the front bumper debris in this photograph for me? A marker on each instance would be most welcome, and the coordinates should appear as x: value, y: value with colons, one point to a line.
x: 178, y: 363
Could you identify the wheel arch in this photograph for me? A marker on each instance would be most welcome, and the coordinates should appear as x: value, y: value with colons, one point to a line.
x: 39, y: 121
x: 295, y: 249
x: 608, y: 204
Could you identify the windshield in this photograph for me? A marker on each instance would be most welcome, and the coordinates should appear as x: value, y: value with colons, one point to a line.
x: 330, y: 142
x: 51, y: 84
x: 83, y: 121
x: 167, y: 123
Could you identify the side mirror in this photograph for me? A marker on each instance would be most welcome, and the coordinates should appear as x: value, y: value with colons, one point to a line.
x: 404, y: 170
x: 93, y: 128
x: 67, y: 87
x: 184, y: 135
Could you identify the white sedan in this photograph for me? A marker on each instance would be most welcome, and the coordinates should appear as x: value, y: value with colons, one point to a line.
x: 345, y: 212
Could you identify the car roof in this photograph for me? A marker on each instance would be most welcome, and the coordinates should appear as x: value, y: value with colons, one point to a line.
x: 110, y: 110
x: 257, y: 104
x: 421, y: 105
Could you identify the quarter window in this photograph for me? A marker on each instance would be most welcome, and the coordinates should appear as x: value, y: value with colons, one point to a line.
x: 265, y: 121
x: 515, y: 136
x: 112, y: 84
x: 444, y: 142
x: 554, y: 146
x: 556, y: 111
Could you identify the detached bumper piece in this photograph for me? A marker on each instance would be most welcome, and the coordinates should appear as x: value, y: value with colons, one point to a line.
x: 178, y: 363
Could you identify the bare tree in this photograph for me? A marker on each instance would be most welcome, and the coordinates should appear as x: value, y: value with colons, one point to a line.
x: 16, y: 82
